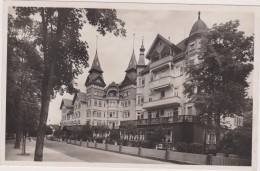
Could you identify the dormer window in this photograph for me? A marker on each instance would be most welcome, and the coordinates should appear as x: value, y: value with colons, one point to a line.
x: 192, y: 46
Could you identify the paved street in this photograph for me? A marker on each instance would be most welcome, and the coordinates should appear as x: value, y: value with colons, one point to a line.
x: 95, y: 155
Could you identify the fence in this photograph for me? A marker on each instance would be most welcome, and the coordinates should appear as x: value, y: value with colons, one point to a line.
x: 166, y: 155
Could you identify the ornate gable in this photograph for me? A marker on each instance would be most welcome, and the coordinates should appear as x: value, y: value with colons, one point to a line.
x: 161, y: 44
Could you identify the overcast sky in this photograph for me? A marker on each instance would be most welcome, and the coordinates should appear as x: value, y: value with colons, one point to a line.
x: 115, y: 52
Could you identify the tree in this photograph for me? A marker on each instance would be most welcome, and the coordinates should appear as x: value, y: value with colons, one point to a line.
x: 63, y: 53
x: 87, y: 132
x: 114, y: 134
x: 24, y: 73
x: 158, y: 136
x: 101, y: 130
x: 130, y: 129
x: 48, y: 130
x: 217, y: 84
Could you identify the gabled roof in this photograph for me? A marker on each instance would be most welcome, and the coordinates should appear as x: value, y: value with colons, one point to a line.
x: 113, y: 84
x: 96, y: 65
x: 66, y: 102
x: 81, y: 96
x: 160, y: 37
x: 132, y: 63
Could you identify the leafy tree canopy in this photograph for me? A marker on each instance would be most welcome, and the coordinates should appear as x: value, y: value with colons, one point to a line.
x: 217, y: 84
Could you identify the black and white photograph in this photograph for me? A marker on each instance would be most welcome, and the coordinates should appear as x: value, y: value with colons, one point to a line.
x: 145, y: 85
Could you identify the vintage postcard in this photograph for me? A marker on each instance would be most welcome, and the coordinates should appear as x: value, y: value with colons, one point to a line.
x: 132, y: 85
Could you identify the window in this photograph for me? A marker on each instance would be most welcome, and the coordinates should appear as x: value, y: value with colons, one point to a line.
x: 110, y: 114
x: 142, y: 116
x: 162, y: 94
x: 150, y: 99
x: 189, y: 110
x: 175, y: 111
x: 94, y: 113
x: 140, y: 100
x: 176, y: 91
x: 100, y: 103
x: 192, y: 46
x: 129, y: 102
x: 162, y: 112
x: 143, y: 82
x: 88, y: 113
x: 95, y: 102
x: 140, y: 82
x: 177, y: 71
x: 157, y: 114
x: 96, y: 93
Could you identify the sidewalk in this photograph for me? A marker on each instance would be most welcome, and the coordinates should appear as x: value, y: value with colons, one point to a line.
x: 49, y: 155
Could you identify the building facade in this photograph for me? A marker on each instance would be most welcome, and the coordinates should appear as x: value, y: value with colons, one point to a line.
x: 150, y: 96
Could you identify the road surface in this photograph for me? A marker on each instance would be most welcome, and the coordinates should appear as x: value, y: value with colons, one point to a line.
x: 95, y: 155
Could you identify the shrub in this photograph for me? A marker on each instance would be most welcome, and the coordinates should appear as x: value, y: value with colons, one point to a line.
x: 99, y: 139
x: 189, y: 148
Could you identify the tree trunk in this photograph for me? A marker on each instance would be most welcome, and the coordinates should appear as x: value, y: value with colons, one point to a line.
x: 18, y: 137
x: 50, y: 60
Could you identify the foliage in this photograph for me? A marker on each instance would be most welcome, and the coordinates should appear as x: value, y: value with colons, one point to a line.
x: 24, y: 67
x: 158, y: 135
x: 48, y: 130
x: 217, y: 84
x: 239, y: 140
x: 64, y: 54
x: 99, y: 139
x: 101, y: 130
x: 130, y: 129
x: 189, y: 148
x: 86, y: 132
x: 114, y: 134
x: 58, y: 133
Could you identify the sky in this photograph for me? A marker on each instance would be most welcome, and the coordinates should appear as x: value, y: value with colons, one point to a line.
x: 115, y: 52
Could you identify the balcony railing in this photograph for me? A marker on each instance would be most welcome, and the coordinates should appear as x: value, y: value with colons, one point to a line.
x: 163, y: 102
x: 161, y: 61
x: 159, y: 121
x: 162, y: 82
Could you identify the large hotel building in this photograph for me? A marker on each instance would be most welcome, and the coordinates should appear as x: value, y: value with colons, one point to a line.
x: 151, y: 95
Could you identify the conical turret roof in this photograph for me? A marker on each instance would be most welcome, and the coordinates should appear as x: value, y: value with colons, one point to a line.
x: 96, y: 64
x: 132, y: 63
x: 198, y: 27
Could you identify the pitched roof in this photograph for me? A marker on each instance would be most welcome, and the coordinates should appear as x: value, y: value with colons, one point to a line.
x: 96, y: 64
x: 81, y: 96
x: 182, y: 45
x: 132, y: 63
x: 160, y: 37
x: 66, y: 102
x: 113, y: 84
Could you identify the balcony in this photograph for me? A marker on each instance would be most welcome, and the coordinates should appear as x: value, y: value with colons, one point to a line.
x: 161, y: 61
x: 163, y: 120
x: 160, y: 83
x: 164, y: 102
x: 112, y: 97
